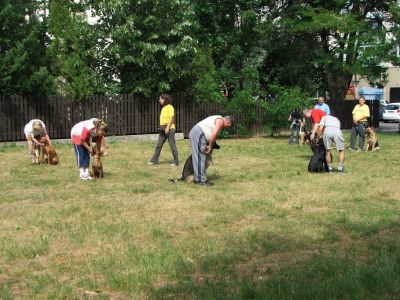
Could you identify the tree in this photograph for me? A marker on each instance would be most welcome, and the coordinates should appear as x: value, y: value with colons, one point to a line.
x: 351, y: 37
x: 23, y: 41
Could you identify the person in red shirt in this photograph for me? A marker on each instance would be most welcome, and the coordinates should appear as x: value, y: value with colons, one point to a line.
x: 316, y: 116
x: 81, y: 133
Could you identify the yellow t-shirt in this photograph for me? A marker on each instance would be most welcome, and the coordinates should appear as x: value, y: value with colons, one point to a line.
x: 361, y: 110
x: 167, y: 112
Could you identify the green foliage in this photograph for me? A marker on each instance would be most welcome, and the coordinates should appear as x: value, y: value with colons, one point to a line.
x: 279, y: 106
x: 23, y: 61
x: 203, y: 86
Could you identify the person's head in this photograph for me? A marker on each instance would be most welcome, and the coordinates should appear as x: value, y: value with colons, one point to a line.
x: 101, y: 127
x: 165, y: 99
x: 321, y: 100
x: 307, y: 112
x: 361, y: 101
x: 37, y: 126
x: 227, y: 121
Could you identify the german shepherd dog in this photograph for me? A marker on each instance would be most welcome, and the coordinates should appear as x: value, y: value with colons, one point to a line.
x: 187, y: 172
x: 317, y: 162
x: 50, y: 152
x: 372, y: 140
x: 304, y: 136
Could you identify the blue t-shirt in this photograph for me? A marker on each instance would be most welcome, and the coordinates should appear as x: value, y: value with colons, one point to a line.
x: 324, y: 107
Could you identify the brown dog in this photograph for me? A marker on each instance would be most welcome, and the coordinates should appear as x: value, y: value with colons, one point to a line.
x: 96, y: 170
x: 372, y: 140
x: 50, y: 152
x: 97, y: 167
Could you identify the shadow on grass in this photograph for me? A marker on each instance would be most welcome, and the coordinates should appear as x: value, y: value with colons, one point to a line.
x: 366, y: 270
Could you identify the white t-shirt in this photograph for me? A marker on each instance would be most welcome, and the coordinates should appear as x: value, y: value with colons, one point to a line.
x: 330, y: 121
x: 208, y: 125
x: 28, y: 130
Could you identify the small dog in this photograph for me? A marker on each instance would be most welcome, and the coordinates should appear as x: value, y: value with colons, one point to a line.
x: 304, y: 136
x: 96, y: 170
x: 104, y: 149
x: 317, y: 162
x: 372, y: 140
x: 50, y: 152
x: 188, y: 172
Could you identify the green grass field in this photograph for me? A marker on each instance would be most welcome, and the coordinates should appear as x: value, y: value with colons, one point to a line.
x: 267, y: 230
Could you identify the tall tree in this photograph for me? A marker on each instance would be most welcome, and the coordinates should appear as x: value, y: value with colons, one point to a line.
x: 351, y: 37
x: 146, y: 44
x: 23, y: 41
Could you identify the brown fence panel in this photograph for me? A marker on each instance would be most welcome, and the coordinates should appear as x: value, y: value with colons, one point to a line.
x: 126, y: 114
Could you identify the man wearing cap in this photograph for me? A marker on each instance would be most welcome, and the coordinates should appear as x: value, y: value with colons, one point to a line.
x: 202, y: 138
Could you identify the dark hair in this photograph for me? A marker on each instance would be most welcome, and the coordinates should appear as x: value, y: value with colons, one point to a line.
x: 167, y: 99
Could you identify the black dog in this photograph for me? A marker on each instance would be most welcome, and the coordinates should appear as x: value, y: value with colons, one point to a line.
x: 317, y: 162
x: 187, y: 172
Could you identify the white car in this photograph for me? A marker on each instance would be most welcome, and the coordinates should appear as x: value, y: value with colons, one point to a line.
x: 391, y: 112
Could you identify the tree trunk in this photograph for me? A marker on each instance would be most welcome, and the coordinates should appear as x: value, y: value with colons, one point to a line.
x: 338, y: 84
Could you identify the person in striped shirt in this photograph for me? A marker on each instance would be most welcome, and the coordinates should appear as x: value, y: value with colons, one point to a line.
x: 329, y: 129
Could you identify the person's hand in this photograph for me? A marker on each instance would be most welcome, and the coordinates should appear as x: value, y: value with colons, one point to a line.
x: 90, y: 151
x: 208, y: 149
x: 166, y: 131
x: 312, y: 136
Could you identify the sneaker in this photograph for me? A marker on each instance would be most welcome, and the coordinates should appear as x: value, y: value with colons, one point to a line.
x: 360, y: 150
x: 173, y: 164
x: 340, y: 171
x: 205, y: 183
x: 150, y: 163
x: 83, y: 177
x: 88, y: 177
x: 352, y: 149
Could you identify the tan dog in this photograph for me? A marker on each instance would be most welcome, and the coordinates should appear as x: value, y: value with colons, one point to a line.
x: 96, y: 170
x: 97, y: 167
x: 104, y: 149
x: 372, y: 140
x: 45, y: 153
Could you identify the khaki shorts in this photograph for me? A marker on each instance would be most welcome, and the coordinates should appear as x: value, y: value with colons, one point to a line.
x: 333, y: 136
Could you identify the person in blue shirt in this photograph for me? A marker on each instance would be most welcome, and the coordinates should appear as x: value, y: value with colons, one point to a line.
x: 322, y: 105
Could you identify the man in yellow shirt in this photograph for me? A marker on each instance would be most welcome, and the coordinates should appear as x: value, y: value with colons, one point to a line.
x: 360, y: 122
x: 167, y: 131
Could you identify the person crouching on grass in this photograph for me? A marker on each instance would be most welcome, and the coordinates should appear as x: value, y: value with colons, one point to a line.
x: 34, y: 131
x: 80, y: 136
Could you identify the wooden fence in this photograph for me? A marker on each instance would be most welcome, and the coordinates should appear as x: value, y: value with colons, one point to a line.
x: 125, y: 114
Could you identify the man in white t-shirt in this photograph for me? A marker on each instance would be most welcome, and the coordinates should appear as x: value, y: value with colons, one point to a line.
x: 202, y: 138
x: 329, y: 129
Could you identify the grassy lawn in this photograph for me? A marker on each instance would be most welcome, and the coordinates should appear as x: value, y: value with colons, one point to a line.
x: 267, y: 230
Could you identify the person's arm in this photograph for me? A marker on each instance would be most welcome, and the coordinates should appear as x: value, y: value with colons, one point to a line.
x: 328, y: 110
x: 219, y: 124
x: 321, y: 130
x: 35, y: 141
x: 314, y: 130
x: 48, y: 139
x: 170, y: 121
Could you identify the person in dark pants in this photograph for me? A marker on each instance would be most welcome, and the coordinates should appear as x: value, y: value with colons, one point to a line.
x: 167, y: 131
x: 296, y: 119
x: 202, y: 138
x: 360, y: 121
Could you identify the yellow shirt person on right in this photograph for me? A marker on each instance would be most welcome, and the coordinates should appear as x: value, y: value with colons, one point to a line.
x: 360, y: 121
